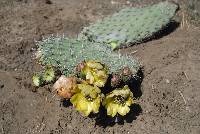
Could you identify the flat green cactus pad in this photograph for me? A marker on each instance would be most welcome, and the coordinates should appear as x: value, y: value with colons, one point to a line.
x: 65, y: 54
x: 130, y: 25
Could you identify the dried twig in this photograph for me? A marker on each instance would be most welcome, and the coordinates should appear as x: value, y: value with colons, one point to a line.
x: 187, y: 108
x: 182, y: 97
x: 184, y: 22
x: 53, y: 96
x: 134, y: 52
x: 186, y: 75
x: 2, y: 130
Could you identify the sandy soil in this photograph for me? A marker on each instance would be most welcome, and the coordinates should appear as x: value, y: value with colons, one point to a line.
x: 170, y: 99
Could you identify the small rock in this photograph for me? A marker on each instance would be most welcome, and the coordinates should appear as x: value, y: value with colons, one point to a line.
x: 167, y: 81
x: 128, y: 2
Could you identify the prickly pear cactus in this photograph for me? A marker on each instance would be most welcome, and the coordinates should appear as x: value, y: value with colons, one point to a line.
x: 65, y: 54
x: 130, y: 25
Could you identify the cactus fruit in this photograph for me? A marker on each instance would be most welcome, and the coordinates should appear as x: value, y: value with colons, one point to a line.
x: 124, y: 75
x: 118, y: 101
x: 64, y: 54
x: 93, y: 72
x: 130, y: 25
x: 44, y: 77
x: 115, y: 80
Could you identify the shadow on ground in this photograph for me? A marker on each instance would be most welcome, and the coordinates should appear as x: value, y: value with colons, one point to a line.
x: 104, y: 121
x: 171, y: 27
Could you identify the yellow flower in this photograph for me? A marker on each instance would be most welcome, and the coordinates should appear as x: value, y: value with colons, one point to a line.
x: 118, y: 101
x: 95, y: 73
x: 87, y: 100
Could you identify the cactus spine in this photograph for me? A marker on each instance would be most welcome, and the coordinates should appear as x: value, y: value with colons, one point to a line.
x: 65, y: 54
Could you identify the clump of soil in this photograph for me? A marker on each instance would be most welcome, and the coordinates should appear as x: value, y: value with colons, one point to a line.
x: 169, y: 98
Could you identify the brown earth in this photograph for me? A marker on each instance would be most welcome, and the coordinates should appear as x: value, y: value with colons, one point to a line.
x: 170, y: 99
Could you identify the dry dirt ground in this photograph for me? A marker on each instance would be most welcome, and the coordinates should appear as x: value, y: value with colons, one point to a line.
x: 170, y: 99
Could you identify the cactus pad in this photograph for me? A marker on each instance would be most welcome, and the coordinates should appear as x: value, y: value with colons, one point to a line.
x: 65, y: 54
x: 130, y: 25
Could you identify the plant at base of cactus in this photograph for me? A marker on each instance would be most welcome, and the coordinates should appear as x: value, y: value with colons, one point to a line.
x: 37, y: 79
x: 49, y: 74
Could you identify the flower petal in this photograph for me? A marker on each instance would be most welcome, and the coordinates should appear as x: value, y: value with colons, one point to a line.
x: 123, y: 110
x: 83, y: 105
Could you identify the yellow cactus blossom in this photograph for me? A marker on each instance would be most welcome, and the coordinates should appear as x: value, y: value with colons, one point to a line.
x: 95, y: 73
x: 118, y: 101
x: 87, y: 100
